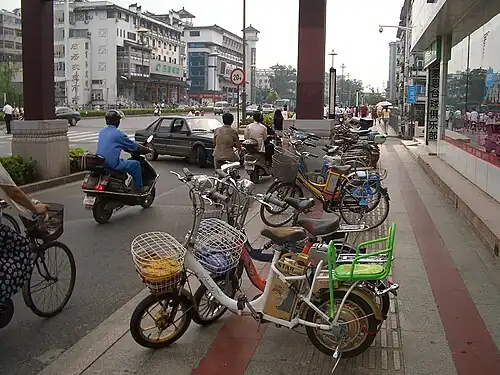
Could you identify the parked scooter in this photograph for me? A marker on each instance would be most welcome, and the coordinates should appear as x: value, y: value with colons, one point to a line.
x: 108, y: 190
x: 255, y: 161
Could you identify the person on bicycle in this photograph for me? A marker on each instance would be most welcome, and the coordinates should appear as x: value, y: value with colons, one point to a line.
x: 16, y: 262
x: 112, y: 142
x: 225, y: 140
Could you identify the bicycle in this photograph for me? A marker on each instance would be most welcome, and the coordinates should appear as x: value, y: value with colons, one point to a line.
x: 7, y: 219
x: 163, y: 262
x: 345, y: 190
x: 43, y: 233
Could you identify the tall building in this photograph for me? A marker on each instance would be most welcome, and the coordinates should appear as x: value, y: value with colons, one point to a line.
x: 392, y: 83
x: 262, y: 78
x: 252, y: 37
x: 213, y: 52
x: 11, y: 44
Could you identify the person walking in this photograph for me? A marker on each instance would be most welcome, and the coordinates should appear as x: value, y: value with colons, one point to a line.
x: 8, y: 113
x: 364, y: 111
x: 278, y: 121
x: 225, y: 140
x: 386, y: 115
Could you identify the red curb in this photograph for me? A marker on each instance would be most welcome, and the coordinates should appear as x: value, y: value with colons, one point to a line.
x: 235, y: 343
x: 472, y: 347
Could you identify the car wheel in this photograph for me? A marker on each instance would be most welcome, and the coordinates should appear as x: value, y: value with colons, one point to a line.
x: 201, y: 156
x: 72, y: 121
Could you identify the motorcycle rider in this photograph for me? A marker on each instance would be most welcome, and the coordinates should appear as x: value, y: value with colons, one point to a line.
x: 112, y: 142
x: 257, y: 131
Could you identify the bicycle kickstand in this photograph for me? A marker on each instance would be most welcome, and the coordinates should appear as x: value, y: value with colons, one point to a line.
x: 337, y: 356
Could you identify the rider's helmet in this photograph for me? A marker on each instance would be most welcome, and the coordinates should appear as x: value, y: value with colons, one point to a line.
x: 113, y: 117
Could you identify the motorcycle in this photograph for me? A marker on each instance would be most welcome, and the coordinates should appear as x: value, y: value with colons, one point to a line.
x: 255, y: 162
x: 107, y: 190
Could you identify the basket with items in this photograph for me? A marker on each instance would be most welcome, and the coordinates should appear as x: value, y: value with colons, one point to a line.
x: 48, y: 227
x: 158, y: 259
x: 285, y: 165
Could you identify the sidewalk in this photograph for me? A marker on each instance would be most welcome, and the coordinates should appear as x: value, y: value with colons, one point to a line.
x: 443, y: 322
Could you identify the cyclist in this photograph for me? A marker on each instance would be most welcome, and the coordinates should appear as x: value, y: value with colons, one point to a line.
x: 16, y: 262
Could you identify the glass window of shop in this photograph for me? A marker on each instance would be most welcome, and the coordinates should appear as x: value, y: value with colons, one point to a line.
x: 474, y: 85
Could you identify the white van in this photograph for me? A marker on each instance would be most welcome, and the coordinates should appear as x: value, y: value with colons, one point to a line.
x: 221, y: 108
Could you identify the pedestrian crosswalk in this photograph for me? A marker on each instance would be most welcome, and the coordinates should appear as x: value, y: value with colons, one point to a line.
x: 75, y: 137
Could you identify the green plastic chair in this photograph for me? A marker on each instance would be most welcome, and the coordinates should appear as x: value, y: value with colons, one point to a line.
x: 360, y: 272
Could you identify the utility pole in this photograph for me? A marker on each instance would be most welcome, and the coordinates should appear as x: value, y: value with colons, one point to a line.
x: 244, y: 91
x: 342, y: 96
x: 332, y: 88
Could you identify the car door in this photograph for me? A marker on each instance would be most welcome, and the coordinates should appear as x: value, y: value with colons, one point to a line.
x: 163, y: 136
x: 179, y: 142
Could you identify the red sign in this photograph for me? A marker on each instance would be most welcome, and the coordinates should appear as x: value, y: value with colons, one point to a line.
x: 478, y: 153
x: 237, y: 76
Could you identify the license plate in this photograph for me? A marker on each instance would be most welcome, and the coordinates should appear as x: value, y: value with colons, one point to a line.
x: 88, y: 201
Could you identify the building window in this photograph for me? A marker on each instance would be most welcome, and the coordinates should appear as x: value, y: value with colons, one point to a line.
x: 194, y: 33
x: 19, y: 32
x: 111, y: 14
x: 9, y: 44
x: 127, y: 18
x: 19, y: 46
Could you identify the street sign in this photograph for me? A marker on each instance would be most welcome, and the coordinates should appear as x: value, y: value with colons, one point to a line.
x: 412, y: 94
x: 237, y: 76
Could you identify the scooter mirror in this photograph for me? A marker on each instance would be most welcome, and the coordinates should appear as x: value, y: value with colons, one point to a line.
x: 150, y: 138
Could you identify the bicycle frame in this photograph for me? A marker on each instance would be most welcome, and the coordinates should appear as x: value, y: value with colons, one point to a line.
x: 257, y: 306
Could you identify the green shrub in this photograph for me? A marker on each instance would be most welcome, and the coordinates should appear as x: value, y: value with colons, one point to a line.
x: 22, y: 171
x: 74, y: 154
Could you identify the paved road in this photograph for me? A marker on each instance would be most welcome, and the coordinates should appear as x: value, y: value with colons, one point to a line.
x: 106, y: 278
x: 86, y: 132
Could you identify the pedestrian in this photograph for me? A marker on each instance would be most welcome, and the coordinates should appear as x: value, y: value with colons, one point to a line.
x: 16, y: 260
x: 226, y: 139
x: 278, y: 121
x: 8, y: 112
x: 285, y: 112
x: 386, y: 115
x: 364, y: 111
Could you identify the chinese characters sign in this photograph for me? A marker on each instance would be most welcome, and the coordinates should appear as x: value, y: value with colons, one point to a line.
x: 76, y: 71
x: 167, y: 69
x: 431, y: 128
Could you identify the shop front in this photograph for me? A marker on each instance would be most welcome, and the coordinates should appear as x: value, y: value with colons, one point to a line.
x: 462, y: 115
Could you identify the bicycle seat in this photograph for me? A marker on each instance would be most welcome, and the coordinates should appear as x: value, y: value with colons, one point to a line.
x: 300, y: 204
x: 341, y: 169
x: 116, y: 174
x: 282, y: 236
x: 320, y: 227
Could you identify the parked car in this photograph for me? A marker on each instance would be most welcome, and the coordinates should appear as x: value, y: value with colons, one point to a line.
x: 66, y: 113
x: 251, y: 109
x: 189, y: 137
x: 267, y: 108
x: 221, y: 107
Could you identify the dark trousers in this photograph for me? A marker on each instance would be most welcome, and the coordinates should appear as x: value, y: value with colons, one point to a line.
x: 8, y: 119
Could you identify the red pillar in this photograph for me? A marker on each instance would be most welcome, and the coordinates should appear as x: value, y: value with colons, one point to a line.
x: 38, y: 59
x: 311, y: 59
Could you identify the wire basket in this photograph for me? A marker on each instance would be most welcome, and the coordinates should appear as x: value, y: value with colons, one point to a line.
x: 285, y: 165
x: 158, y: 258
x: 218, y: 246
x: 49, y: 228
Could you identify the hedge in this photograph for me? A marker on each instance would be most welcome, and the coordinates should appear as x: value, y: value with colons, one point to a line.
x: 22, y: 171
x: 74, y: 154
x: 136, y: 111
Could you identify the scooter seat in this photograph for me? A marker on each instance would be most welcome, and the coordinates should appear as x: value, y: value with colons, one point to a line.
x: 116, y: 174
x: 282, y: 236
x: 320, y: 227
x: 300, y: 204
x: 341, y: 169
x: 360, y: 132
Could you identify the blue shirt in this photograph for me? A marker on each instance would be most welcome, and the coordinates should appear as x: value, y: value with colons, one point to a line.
x: 110, y: 144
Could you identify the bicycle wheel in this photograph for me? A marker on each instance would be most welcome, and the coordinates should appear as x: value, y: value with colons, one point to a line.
x: 373, y: 215
x: 10, y: 221
x: 53, y: 279
x: 283, y: 216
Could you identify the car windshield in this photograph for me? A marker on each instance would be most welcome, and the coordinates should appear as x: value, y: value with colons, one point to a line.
x: 266, y: 106
x: 203, y: 124
x: 62, y: 109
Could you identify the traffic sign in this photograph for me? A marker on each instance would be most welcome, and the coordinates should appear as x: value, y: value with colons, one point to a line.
x: 237, y: 76
x: 412, y: 94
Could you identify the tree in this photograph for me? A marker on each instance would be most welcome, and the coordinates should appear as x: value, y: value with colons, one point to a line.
x: 6, y: 82
x: 261, y: 95
x: 272, y: 96
x: 349, y: 88
x: 283, y: 81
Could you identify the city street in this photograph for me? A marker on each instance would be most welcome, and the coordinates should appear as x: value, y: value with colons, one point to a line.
x: 106, y: 278
x: 86, y: 132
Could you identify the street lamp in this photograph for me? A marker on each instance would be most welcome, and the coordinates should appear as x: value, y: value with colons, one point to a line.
x: 142, y: 31
x: 214, y: 55
x: 244, y: 91
x: 332, y: 88
x: 342, y: 96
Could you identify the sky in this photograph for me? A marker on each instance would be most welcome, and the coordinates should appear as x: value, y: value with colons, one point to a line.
x: 352, y: 30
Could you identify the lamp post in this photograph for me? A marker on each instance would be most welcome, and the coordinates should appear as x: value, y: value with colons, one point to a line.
x: 142, y: 31
x: 244, y: 91
x: 332, y: 87
x: 342, y: 96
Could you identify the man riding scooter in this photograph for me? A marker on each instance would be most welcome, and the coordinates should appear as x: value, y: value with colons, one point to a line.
x: 259, y: 150
x: 112, y: 142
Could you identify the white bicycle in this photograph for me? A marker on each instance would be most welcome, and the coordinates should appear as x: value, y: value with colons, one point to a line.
x: 295, y: 295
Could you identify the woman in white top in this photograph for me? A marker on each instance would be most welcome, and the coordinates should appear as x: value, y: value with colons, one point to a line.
x: 15, y: 252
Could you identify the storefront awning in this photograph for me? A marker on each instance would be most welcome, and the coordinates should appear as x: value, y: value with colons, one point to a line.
x: 166, y: 80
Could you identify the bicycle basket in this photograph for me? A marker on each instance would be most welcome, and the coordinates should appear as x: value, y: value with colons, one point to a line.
x: 218, y: 246
x: 49, y: 228
x: 285, y: 165
x: 158, y: 259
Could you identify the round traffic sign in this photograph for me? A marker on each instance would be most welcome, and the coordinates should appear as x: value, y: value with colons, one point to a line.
x: 237, y: 76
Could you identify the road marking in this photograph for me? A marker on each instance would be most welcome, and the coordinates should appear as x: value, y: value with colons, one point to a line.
x: 73, y: 135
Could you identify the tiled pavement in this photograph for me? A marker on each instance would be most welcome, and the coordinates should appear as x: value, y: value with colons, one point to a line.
x: 417, y: 339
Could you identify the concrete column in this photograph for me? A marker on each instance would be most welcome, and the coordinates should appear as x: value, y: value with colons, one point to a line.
x: 311, y: 59
x: 443, y: 86
x: 45, y: 141
x: 38, y: 59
